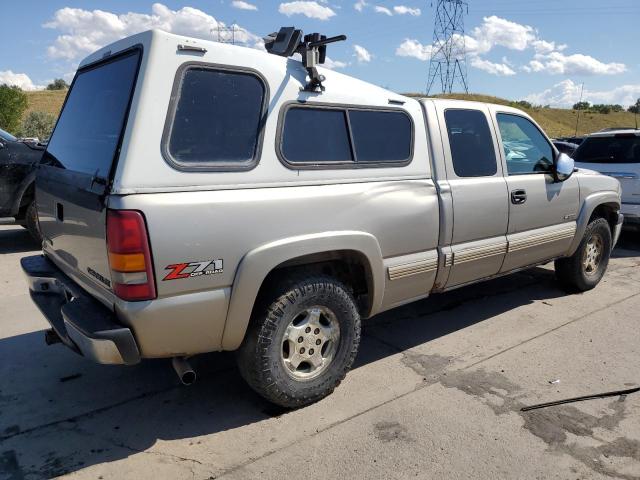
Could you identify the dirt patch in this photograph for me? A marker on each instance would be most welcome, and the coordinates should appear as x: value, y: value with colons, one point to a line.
x: 390, y: 432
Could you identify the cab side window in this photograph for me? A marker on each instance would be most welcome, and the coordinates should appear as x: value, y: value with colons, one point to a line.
x: 526, y: 150
x: 471, y: 143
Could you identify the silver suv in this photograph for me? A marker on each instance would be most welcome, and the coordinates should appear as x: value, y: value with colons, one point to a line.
x: 200, y: 197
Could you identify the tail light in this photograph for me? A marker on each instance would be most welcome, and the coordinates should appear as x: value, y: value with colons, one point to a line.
x: 130, y: 255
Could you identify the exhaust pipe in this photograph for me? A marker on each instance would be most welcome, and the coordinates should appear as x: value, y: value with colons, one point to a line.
x: 186, y: 374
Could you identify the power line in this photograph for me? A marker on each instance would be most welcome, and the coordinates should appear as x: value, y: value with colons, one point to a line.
x: 448, y: 62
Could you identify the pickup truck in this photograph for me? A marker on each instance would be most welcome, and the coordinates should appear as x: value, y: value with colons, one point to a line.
x: 198, y: 197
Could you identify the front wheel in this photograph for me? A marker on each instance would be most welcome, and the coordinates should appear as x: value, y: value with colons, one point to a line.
x: 585, y: 268
x: 298, y: 349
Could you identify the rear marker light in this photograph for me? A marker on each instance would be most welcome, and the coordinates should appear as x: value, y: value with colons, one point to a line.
x: 130, y: 256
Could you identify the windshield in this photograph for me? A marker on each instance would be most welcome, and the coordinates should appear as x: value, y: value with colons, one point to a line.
x: 618, y: 149
x: 87, y: 136
x: 7, y: 136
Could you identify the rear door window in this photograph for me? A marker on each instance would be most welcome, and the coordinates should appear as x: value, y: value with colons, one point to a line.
x: 622, y: 148
x: 87, y: 135
x: 471, y: 143
x: 217, y: 119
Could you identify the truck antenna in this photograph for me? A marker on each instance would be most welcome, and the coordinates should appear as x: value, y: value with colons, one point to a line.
x: 312, y: 48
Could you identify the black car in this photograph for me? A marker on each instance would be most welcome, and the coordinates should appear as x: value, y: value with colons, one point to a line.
x: 565, y: 147
x: 18, y: 163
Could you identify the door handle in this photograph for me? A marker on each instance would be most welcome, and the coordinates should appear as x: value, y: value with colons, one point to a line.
x: 518, y: 197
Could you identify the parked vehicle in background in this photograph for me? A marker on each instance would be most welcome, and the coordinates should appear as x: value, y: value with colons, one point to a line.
x: 565, y: 147
x: 198, y: 196
x: 18, y: 162
x: 616, y: 153
x: 575, y: 140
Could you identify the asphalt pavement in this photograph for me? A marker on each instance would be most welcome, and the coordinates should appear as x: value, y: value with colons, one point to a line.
x: 436, y: 392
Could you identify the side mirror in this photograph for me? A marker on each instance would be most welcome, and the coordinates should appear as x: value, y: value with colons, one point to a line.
x: 563, y: 167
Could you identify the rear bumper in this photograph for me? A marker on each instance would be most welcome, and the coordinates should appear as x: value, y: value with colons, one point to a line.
x: 83, y: 324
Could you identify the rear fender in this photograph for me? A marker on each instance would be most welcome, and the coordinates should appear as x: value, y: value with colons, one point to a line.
x: 258, y: 263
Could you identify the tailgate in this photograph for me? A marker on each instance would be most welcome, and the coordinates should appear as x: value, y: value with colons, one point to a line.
x: 73, y: 182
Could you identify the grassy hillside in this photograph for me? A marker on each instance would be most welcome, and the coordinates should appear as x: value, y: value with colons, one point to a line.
x: 557, y: 122
x: 49, y: 101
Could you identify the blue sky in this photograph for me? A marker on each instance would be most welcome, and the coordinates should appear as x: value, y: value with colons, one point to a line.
x: 539, y: 50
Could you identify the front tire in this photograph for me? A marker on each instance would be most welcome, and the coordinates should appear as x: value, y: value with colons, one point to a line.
x: 298, y: 349
x: 584, y: 269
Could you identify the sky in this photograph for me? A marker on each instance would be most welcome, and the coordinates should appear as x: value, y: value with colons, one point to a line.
x: 542, y: 51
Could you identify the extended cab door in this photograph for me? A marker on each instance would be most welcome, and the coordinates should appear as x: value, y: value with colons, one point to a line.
x: 478, y: 192
x: 542, y: 212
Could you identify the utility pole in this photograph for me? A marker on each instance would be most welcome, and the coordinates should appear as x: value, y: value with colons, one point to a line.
x: 448, y: 63
x: 578, y: 117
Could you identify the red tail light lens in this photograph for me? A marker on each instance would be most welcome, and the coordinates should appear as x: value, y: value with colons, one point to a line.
x: 130, y: 255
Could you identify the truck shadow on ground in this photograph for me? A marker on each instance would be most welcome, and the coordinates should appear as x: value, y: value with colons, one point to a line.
x: 17, y: 240
x: 60, y: 413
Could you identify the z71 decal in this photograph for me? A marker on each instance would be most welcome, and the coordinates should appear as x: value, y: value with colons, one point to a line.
x: 193, y: 269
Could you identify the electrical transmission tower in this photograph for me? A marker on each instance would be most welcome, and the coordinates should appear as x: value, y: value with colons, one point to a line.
x: 226, y: 34
x: 448, y: 55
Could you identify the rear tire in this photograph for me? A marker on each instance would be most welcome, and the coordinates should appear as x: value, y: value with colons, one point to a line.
x: 584, y: 269
x: 298, y: 349
x: 31, y: 222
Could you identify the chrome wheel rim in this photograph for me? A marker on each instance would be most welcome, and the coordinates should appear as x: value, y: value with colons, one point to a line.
x: 592, y: 254
x: 310, y: 342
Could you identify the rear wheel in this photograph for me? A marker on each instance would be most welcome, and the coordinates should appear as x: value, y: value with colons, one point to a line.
x: 585, y: 268
x: 299, y: 348
x: 31, y: 222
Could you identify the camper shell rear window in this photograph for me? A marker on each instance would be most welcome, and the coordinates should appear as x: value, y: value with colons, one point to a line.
x: 88, y: 134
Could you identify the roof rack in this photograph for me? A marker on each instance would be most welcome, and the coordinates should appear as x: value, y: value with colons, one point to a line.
x: 312, y: 47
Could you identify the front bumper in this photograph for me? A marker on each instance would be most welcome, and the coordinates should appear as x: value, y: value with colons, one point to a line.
x: 83, y: 324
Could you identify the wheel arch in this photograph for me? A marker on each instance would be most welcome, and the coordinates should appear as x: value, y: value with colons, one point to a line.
x: 260, y: 264
x: 602, y: 204
x: 26, y: 188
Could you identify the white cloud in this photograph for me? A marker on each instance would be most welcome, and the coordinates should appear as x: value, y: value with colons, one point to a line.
x: 567, y: 93
x: 557, y: 63
x: 495, y: 31
x: 308, y: 9
x: 413, y: 48
x: 402, y: 10
x: 384, y: 10
x: 359, y: 5
x: 498, y: 32
x: 501, y: 69
x: 362, y: 54
x: 241, y: 5
x: 83, y: 31
x: 21, y: 80
x: 333, y: 64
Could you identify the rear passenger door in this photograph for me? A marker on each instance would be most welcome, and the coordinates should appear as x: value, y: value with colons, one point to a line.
x: 542, y: 212
x: 479, y: 193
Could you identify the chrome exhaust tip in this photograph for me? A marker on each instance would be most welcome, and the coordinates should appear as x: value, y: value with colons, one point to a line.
x: 186, y: 374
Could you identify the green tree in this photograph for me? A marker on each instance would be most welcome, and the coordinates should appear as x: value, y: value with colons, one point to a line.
x: 38, y: 124
x: 58, y: 84
x: 635, y: 108
x: 582, y: 106
x: 13, y: 103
